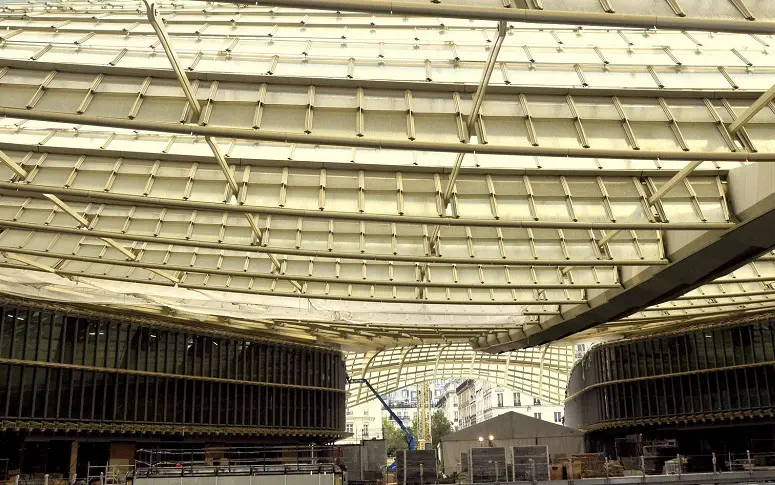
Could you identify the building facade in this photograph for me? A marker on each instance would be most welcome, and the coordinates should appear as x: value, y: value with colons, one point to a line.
x: 466, y: 397
x: 482, y: 400
x: 686, y: 387
x: 449, y: 405
x: 66, y: 374
x: 363, y: 422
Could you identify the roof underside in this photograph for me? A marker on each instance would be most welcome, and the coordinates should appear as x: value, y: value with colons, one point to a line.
x: 336, y: 178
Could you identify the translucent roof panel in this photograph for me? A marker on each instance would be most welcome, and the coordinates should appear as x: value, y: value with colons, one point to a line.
x: 541, y: 372
x: 347, y: 177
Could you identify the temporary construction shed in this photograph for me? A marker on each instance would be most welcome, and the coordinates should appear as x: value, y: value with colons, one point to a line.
x: 509, y: 430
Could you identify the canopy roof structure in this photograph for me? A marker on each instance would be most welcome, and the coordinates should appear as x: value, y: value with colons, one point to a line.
x: 399, y: 179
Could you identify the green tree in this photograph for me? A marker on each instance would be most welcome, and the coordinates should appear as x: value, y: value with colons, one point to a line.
x: 440, y: 426
x: 393, y: 436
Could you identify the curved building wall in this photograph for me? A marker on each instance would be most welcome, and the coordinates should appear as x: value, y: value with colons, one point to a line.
x: 74, y: 372
x: 720, y: 372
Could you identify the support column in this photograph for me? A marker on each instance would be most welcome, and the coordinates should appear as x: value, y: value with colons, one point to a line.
x: 73, y: 459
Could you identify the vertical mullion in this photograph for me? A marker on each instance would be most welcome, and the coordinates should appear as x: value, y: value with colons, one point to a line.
x: 220, y: 374
x: 139, y: 337
x: 157, y: 368
x: 117, y: 379
x: 166, y: 380
x: 72, y: 376
x: 85, y: 373
x: 10, y: 367
x: 107, y: 377
x: 287, y: 379
x: 744, y: 371
x: 98, y: 324
x: 206, y: 341
x: 764, y: 373
x: 47, y: 371
x: 235, y: 386
x: 60, y: 372
x: 128, y: 358
x: 265, y: 389
x: 148, y: 378
x: 36, y: 357
x: 196, y: 343
x: 213, y: 346
x: 3, y: 326
x: 253, y: 389
x: 726, y: 364
x: 170, y: 417
x: 22, y: 368
x: 185, y: 373
x: 275, y: 397
x: 245, y: 377
x: 227, y: 408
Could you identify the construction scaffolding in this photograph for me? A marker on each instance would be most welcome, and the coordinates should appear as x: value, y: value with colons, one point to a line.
x: 422, y: 426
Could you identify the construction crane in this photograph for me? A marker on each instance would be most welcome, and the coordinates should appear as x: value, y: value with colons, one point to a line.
x: 410, y: 441
x: 422, y: 426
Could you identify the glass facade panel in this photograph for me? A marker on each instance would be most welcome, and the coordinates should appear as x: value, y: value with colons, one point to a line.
x: 117, y: 372
x: 691, y: 375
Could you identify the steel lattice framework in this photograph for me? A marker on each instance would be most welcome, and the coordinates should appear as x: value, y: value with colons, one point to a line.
x: 541, y: 372
x: 393, y: 184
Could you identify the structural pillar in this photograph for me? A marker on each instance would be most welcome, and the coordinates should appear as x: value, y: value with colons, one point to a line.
x: 73, y: 459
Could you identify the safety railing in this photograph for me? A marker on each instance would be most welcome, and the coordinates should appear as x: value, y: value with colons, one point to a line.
x: 285, y: 460
x: 667, y: 467
x: 109, y: 474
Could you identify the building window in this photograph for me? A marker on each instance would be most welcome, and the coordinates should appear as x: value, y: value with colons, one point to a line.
x: 500, y: 399
x: 365, y: 412
x: 537, y: 415
x: 557, y: 417
x: 349, y: 412
x: 536, y: 401
x: 580, y: 347
x: 348, y: 427
x: 405, y: 394
x: 365, y: 432
x: 517, y: 401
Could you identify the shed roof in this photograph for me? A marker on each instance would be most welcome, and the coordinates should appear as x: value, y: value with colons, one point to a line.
x: 511, y: 425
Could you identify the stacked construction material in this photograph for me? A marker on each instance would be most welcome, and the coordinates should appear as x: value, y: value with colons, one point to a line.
x: 592, y: 464
x: 415, y: 467
x: 531, y: 463
x: 676, y: 466
x: 615, y: 469
x: 487, y: 465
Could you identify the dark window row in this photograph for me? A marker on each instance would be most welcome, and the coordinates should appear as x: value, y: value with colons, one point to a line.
x: 705, y: 371
x: 30, y: 334
x: 751, y: 343
x: 746, y: 389
x: 65, y: 394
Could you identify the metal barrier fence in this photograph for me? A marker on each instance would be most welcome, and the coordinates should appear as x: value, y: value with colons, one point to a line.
x: 678, y: 467
x: 237, y: 461
x: 109, y: 474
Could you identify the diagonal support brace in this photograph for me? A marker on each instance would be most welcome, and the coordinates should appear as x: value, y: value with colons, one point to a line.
x: 471, y: 123
x: 161, y: 32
